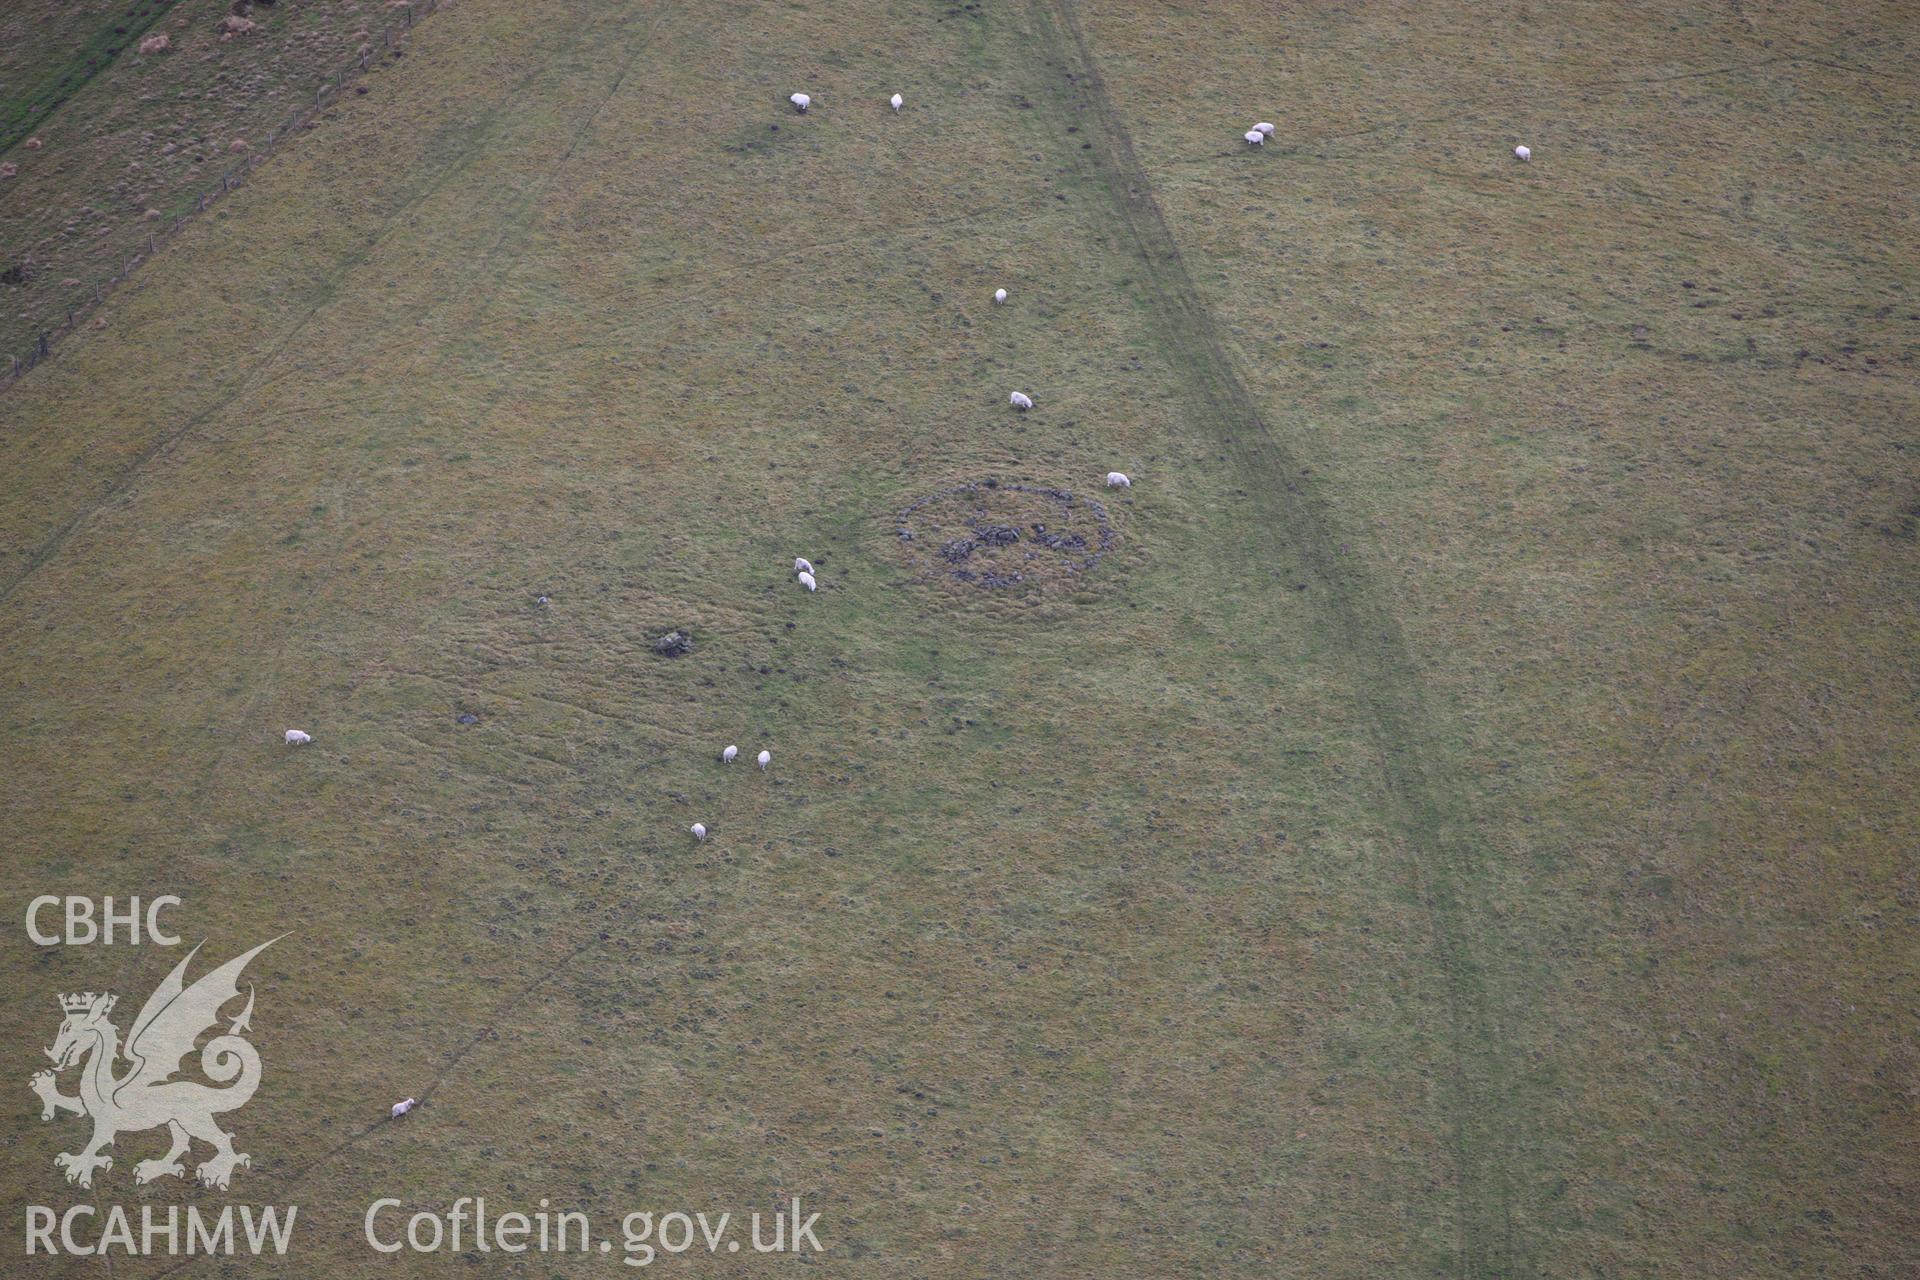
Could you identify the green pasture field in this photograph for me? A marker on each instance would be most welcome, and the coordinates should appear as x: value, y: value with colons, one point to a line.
x: 110, y: 146
x: 1464, y: 825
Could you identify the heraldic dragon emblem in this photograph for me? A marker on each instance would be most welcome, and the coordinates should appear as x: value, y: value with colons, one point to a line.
x: 147, y: 1095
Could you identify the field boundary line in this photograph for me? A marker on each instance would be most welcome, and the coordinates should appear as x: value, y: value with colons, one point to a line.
x: 127, y: 29
x: 295, y: 1178
x: 597, y: 937
x: 385, y: 399
x: 1425, y: 810
x: 245, y: 379
x: 328, y: 92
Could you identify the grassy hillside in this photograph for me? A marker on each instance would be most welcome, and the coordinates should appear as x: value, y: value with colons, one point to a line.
x: 1627, y: 436
x: 52, y: 48
x: 108, y: 146
x: 1462, y: 827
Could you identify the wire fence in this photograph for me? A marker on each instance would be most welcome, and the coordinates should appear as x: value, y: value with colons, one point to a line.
x: 42, y: 346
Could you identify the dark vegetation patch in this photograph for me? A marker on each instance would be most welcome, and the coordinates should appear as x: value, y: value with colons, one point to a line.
x: 22, y: 109
x: 674, y: 644
x: 994, y: 534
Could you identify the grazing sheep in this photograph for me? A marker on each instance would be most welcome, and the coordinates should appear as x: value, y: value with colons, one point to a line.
x: 1523, y: 153
x: 403, y: 1106
x: 1118, y: 480
x: 1020, y: 402
x: 726, y: 757
x: 1256, y: 137
x: 295, y: 738
x: 699, y: 830
x: 764, y: 759
x: 806, y: 580
x: 800, y: 102
x: 1264, y: 128
x: 897, y: 102
x: 999, y: 295
x: 802, y: 565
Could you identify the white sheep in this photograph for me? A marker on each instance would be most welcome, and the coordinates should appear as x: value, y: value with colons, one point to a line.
x: 1020, y: 402
x: 764, y: 759
x: 403, y: 1106
x: 800, y: 102
x: 999, y: 295
x: 896, y: 102
x: 806, y: 580
x: 699, y: 830
x: 295, y: 738
x: 802, y: 565
x: 1264, y: 129
x: 1523, y: 153
x: 1255, y: 137
x: 1118, y: 480
x: 726, y: 757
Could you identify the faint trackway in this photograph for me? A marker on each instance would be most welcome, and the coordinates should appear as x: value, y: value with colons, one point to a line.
x: 521, y: 226
x: 1420, y: 791
x: 517, y: 218
x: 599, y: 937
x: 252, y: 375
x: 519, y: 213
x: 515, y: 215
x: 298, y: 1177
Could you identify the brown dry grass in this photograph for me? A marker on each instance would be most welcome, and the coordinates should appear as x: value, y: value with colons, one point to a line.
x: 138, y: 133
x: 1628, y: 433
x: 1101, y: 937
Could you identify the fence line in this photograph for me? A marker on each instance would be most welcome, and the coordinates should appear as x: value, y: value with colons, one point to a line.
x: 41, y: 347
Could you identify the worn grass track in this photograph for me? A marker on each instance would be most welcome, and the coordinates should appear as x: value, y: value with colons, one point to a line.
x: 1292, y: 520
x: 991, y: 892
x: 1458, y: 831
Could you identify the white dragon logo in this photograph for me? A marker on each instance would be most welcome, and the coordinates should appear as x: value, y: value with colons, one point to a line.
x: 147, y: 1095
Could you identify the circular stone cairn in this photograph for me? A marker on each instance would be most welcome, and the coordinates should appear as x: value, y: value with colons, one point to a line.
x: 996, y: 534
